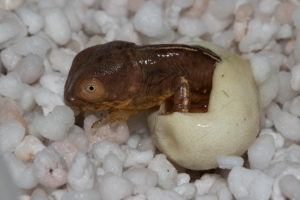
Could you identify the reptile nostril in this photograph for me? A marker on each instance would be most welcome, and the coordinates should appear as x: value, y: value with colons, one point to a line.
x: 69, y: 98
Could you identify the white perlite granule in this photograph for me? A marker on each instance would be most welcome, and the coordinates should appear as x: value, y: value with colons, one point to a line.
x: 51, y: 158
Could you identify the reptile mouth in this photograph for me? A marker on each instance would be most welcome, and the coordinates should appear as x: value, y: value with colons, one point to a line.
x: 80, y: 105
x: 74, y: 103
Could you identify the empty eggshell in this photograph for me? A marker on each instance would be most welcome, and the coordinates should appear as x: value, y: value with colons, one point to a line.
x: 194, y: 140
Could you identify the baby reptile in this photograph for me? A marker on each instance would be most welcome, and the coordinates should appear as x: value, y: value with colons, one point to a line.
x: 125, y: 78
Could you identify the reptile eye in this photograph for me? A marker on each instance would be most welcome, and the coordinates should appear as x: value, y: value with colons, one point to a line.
x: 91, y: 90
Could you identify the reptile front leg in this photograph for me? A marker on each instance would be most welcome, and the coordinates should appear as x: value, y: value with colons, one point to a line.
x: 182, y: 95
x: 116, y: 116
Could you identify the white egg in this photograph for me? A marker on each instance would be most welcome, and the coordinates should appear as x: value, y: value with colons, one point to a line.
x: 194, y: 140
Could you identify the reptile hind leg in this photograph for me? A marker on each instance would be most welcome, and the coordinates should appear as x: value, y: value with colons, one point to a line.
x: 182, y: 95
x: 114, y: 117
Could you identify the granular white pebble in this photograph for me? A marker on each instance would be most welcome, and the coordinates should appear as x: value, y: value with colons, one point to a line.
x: 191, y: 27
x: 24, y: 197
x: 9, y: 58
x: 54, y: 82
x: 74, y: 21
x: 22, y: 174
x: 116, y: 8
x: 11, y: 85
x: 220, y: 189
x: 292, y: 49
x: 56, y: 124
x: 269, y: 90
x: 82, y: 195
x: 183, y: 178
x: 51, y: 4
x: 282, y: 170
x: 277, y: 138
x: 68, y: 147
x: 285, y: 32
x: 134, y: 140
x: 127, y: 33
x: 56, y: 20
x: 39, y: 194
x: 149, y: 20
x: 249, y: 184
x: 214, y: 24
x: 47, y: 99
x: 136, y: 157
x: 100, y: 172
x: 228, y: 162
x: 268, y: 123
x: 113, y: 187
x: 223, y: 39
x: 12, y: 28
x: 289, y: 186
x: 285, y: 91
x: 291, y: 153
x: 296, y: 17
x: 11, y: 134
x: 78, y: 138
x: 137, y: 197
x: 287, y: 124
x: 157, y: 193
x: 49, y: 168
x: 112, y: 164
x: 260, y: 67
x: 117, y: 133
x: 33, y: 20
x: 186, y: 190
x: 283, y: 12
x: 295, y: 80
x: 204, y: 184
x: 28, y: 148
x: 173, y: 11
x: 58, y: 194
x: 142, y: 178
x: 106, y: 22
x: 30, y: 68
x: 254, y: 40
x: 222, y: 9
x: 95, y: 40
x: 286, y: 106
x: 134, y: 5
x: 261, y: 152
x: 207, y: 197
x: 81, y: 175
x: 295, y: 106
x: 268, y: 6
x: 11, y: 5
x: 90, y: 24
x: 78, y: 41
x: 146, y: 144
x: 61, y: 60
x: 80, y: 9
x: 239, y: 28
x: 32, y: 45
x: 103, y: 148
x: 167, y: 173
x: 296, y: 47
x: 10, y: 110
x: 8, y: 189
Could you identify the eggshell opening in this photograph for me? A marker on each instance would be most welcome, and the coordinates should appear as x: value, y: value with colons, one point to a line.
x: 194, y: 140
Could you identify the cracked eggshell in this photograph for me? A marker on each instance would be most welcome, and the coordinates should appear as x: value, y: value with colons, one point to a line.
x: 194, y: 140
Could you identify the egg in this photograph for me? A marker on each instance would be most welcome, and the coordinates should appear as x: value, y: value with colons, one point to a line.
x: 194, y: 140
